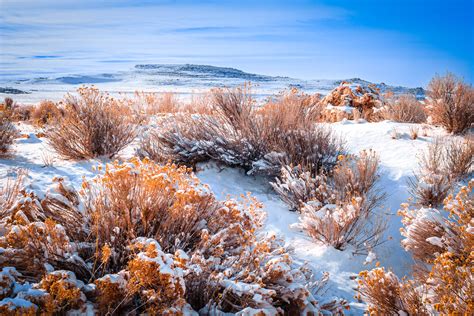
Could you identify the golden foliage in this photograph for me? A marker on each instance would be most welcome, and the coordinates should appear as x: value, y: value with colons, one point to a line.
x: 46, y: 113
x: 446, y: 243
x: 112, y: 234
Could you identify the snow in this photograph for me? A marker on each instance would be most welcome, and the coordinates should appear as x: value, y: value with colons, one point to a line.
x: 371, y: 256
x: 14, y: 303
x: 398, y: 160
x: 435, y: 241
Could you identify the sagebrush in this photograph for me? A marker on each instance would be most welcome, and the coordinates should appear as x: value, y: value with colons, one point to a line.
x: 94, y: 124
x: 110, y: 248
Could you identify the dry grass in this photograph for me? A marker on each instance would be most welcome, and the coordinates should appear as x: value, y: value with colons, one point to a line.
x: 200, y: 103
x: 451, y: 103
x: 405, y: 109
x: 152, y: 103
x: 414, y: 133
x: 46, y: 112
x: 93, y: 125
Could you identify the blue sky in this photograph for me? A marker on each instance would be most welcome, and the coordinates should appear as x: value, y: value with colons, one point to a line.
x: 397, y: 42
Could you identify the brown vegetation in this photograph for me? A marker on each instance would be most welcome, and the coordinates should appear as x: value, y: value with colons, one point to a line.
x: 341, y: 211
x: 444, y: 162
x: 178, y: 252
x: 8, y: 132
x: 405, y: 109
x: 451, y: 103
x: 93, y: 125
x: 238, y: 133
x: 46, y: 112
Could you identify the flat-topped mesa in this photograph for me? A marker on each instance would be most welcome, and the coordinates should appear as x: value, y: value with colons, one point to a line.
x: 348, y: 98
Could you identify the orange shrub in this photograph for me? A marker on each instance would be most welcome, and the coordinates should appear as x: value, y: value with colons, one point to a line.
x: 45, y: 113
x: 153, y: 240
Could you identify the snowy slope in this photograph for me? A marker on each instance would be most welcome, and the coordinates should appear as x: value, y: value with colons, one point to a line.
x: 398, y: 161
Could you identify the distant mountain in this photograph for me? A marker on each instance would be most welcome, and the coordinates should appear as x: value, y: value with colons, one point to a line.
x: 182, y: 78
x: 201, y: 71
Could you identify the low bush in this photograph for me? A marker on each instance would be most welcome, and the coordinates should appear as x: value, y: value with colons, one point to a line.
x: 110, y: 248
x: 239, y: 134
x: 442, y: 244
x: 8, y: 133
x: 46, y: 112
x: 338, y: 208
x: 444, y: 162
x: 93, y: 125
x: 405, y: 109
x: 451, y: 103
x: 22, y: 112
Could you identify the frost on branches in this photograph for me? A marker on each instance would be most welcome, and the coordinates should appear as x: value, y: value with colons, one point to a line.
x: 144, y: 238
x: 337, y: 207
x: 443, y: 243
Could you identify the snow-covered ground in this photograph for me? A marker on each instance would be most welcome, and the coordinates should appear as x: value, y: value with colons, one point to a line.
x: 398, y: 162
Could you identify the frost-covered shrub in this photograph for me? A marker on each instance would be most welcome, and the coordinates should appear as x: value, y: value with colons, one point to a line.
x: 315, y: 148
x: 358, y: 176
x: 93, y: 125
x: 387, y: 295
x: 405, y: 109
x: 342, y: 224
x: 240, y: 134
x: 459, y: 158
x: 148, y: 238
x: 8, y: 132
x: 444, y: 162
x: 442, y: 243
x: 337, y: 208
x: 157, y: 278
x: 451, y: 103
x: 297, y: 186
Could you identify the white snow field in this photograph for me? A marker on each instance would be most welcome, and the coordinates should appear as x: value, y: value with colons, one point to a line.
x: 398, y: 160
